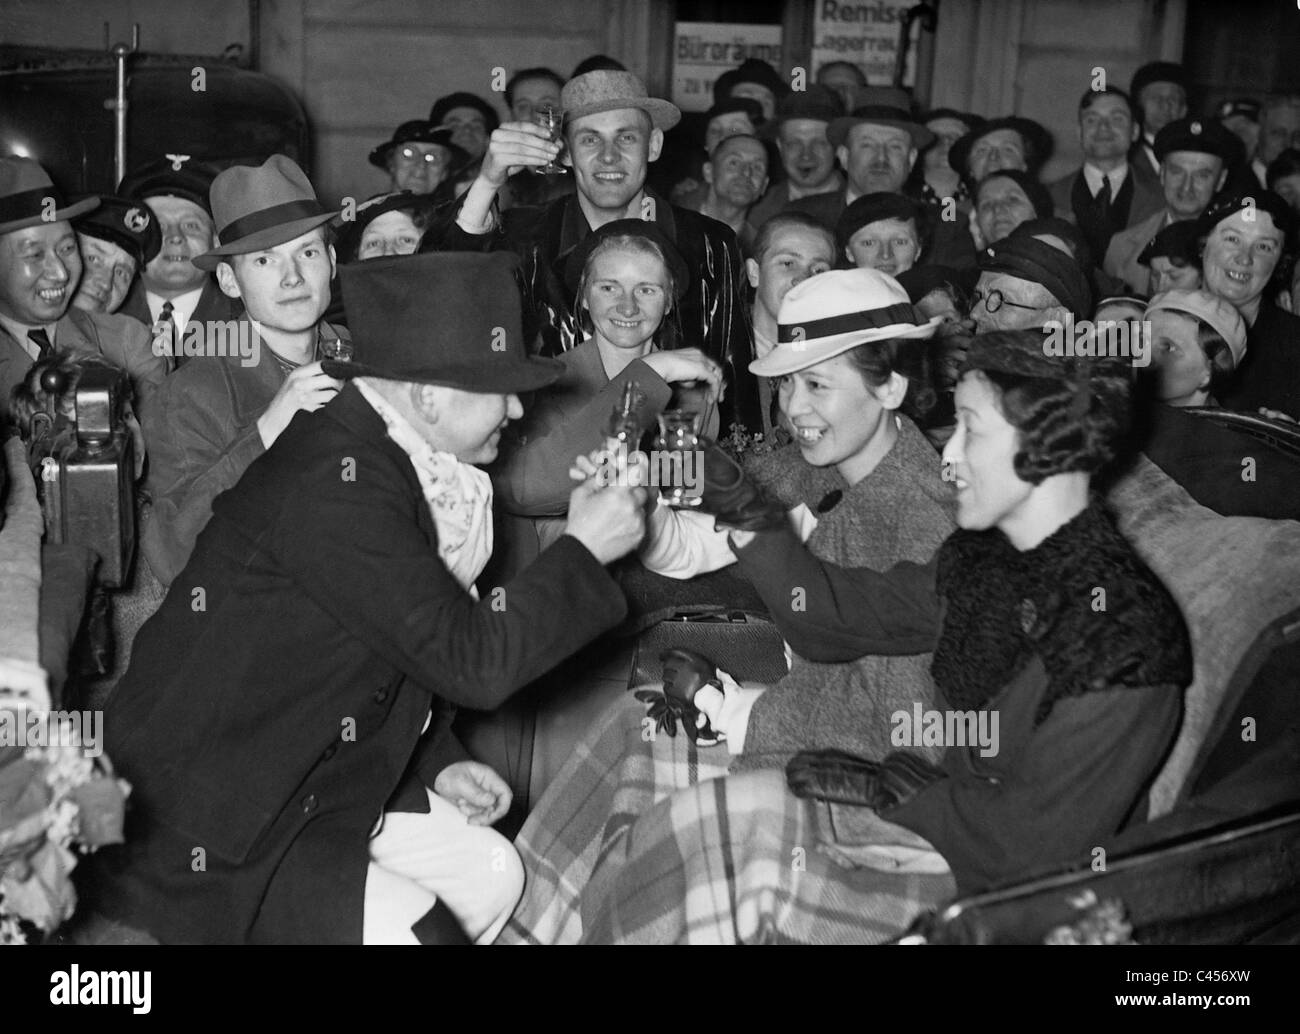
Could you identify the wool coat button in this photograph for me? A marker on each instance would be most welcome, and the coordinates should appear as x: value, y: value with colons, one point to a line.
x: 381, y: 695
x: 309, y: 804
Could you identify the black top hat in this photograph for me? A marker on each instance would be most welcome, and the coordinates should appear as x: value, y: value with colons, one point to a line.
x: 419, y: 131
x: 128, y: 224
x: 174, y: 175
x: 577, y: 260
x: 449, y: 318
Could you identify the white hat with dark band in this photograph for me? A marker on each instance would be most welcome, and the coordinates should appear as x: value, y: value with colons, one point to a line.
x: 832, y: 312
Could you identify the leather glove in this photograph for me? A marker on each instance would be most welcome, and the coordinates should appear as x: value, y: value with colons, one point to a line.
x: 732, y: 497
x: 833, y: 775
x: 686, y: 672
x: 902, y: 775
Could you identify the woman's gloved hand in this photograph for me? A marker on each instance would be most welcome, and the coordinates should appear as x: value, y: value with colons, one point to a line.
x: 731, y: 497
x: 843, y: 778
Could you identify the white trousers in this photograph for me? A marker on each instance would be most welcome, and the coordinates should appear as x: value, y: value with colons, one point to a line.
x: 417, y: 859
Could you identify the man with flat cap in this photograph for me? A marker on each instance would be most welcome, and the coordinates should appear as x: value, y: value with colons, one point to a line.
x: 244, y: 379
x: 172, y: 291
x: 807, y: 156
x: 1195, y: 156
x: 612, y: 131
x: 295, y: 777
x: 40, y: 267
x: 117, y: 240
x: 1026, y: 281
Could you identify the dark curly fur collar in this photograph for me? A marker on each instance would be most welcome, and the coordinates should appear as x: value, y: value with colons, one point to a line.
x: 1003, y: 606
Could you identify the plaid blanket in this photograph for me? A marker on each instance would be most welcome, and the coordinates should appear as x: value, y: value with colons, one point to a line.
x: 618, y: 772
x: 641, y: 839
x: 741, y: 860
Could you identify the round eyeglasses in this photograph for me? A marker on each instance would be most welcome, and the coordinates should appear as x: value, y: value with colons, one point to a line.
x: 410, y: 156
x: 994, y: 300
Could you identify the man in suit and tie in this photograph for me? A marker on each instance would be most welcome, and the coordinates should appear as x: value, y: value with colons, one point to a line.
x: 1105, y: 195
x: 40, y: 267
x: 171, y: 289
x: 1195, y: 156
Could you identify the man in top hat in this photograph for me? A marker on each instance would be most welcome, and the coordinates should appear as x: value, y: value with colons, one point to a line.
x: 1195, y: 156
x: 117, y: 240
x: 1102, y: 197
x: 172, y: 291
x: 806, y: 153
x: 296, y: 730
x: 612, y: 131
x: 245, y: 379
x: 40, y: 267
x: 1159, y: 92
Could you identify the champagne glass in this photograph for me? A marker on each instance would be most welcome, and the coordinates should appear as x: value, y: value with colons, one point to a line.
x: 552, y: 119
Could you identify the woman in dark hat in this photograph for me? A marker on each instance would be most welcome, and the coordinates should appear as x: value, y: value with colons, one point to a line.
x: 420, y: 158
x: 628, y: 278
x: 1174, y: 258
x: 1001, y: 143
x: 386, y: 224
x: 884, y: 231
x: 1003, y: 200
x: 1088, y: 698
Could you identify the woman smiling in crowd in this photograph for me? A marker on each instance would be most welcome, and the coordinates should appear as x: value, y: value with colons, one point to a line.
x: 882, y: 231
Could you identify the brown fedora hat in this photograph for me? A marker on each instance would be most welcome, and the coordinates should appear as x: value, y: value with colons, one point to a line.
x: 450, y: 318
x: 26, y: 191
x: 258, y: 207
x: 607, y: 90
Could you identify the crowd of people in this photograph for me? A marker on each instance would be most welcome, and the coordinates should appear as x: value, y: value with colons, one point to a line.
x: 378, y: 485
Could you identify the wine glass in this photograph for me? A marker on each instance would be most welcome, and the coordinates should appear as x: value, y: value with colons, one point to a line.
x: 337, y: 349
x: 552, y: 119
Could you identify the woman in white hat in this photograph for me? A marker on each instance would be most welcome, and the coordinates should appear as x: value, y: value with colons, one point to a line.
x: 861, y: 487
x: 1197, y: 342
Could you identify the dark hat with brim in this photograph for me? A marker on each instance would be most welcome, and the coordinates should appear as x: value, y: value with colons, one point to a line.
x: 1041, y: 263
x: 1180, y: 240
x: 1255, y: 201
x: 256, y: 208
x: 128, y: 224
x: 349, y: 231
x: 1243, y: 106
x: 28, y: 197
x: 872, y: 208
x: 882, y: 115
x: 1068, y: 232
x: 1158, y: 72
x: 449, y: 318
x: 1205, y: 136
x: 968, y: 119
x: 173, y: 175
x: 751, y: 70
x: 420, y: 131
x: 1037, y: 140
x: 609, y: 90
x: 463, y: 99
x: 1040, y: 198
x: 577, y: 260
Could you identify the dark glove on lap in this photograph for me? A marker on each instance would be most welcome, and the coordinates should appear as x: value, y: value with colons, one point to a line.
x: 732, y: 497
x: 842, y: 778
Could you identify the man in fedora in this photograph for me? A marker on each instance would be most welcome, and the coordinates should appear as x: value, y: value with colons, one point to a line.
x: 294, y: 733
x: 40, y: 267
x: 807, y: 156
x: 172, y: 291
x: 244, y: 378
x: 612, y: 131
x: 117, y: 240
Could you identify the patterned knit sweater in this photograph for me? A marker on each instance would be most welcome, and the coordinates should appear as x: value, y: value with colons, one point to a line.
x: 902, y: 510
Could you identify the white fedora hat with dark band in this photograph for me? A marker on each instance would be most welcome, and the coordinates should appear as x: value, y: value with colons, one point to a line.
x: 256, y: 208
x: 832, y: 312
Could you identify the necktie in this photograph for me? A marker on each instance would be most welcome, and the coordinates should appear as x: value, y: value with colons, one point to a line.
x: 1102, y: 198
x: 41, y: 340
x: 165, y: 316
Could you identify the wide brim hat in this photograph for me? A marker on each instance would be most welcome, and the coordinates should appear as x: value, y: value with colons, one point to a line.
x: 879, y: 114
x: 129, y: 224
x: 420, y: 131
x: 172, y: 175
x: 817, y: 104
x: 751, y: 70
x: 449, y: 318
x: 1209, y: 308
x: 577, y: 258
x: 260, y: 207
x: 463, y: 99
x: 25, y: 192
x: 609, y: 90
x: 832, y: 312
x: 1039, y: 143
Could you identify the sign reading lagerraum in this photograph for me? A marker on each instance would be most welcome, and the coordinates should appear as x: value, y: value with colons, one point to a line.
x: 704, y: 50
x: 864, y: 33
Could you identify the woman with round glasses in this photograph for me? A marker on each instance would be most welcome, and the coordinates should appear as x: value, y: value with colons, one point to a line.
x: 420, y: 157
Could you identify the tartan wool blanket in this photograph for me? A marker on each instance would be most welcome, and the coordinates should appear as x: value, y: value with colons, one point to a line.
x: 645, y: 839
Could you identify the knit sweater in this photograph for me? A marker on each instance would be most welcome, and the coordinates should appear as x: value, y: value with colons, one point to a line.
x: 902, y: 510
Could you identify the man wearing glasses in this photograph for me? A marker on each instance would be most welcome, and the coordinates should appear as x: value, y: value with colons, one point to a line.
x: 1026, y: 281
